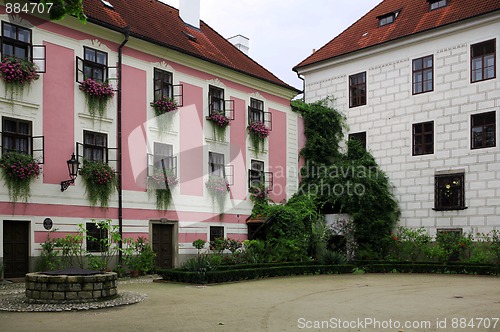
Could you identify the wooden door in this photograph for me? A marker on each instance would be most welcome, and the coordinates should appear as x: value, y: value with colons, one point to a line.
x: 15, y: 248
x: 163, y: 245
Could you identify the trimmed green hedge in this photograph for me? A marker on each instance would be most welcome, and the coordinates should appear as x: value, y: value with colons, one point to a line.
x: 237, y: 274
x: 433, y: 268
x: 228, y: 273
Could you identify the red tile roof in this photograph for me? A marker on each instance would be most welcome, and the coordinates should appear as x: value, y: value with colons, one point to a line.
x: 160, y: 23
x: 414, y: 17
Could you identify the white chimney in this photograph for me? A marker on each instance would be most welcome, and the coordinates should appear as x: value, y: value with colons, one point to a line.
x: 241, y: 42
x: 189, y: 11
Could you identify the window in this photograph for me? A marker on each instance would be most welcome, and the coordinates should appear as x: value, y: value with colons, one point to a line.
x: 95, y: 146
x: 256, y: 175
x: 357, y: 89
x: 483, y: 61
x: 423, y: 138
x: 435, y: 4
x: 386, y: 19
x: 163, y: 156
x: 256, y: 111
x: 216, y: 99
x: 16, y: 41
x: 422, y: 77
x: 95, y: 64
x: 163, y: 87
x: 483, y: 130
x: 216, y: 232
x: 449, y: 192
x: 216, y: 164
x: 16, y: 136
x: 97, y: 237
x: 361, y: 137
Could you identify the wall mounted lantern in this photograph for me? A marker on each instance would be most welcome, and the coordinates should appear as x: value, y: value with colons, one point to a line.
x: 73, y: 166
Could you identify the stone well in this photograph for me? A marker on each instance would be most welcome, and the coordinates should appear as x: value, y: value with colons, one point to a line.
x: 70, y: 286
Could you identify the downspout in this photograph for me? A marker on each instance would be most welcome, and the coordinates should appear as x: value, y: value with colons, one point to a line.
x: 126, y: 32
x: 303, y: 87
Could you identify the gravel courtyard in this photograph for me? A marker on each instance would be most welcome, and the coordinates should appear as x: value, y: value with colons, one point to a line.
x: 366, y: 302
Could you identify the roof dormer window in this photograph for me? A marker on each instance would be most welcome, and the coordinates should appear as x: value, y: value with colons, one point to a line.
x: 435, y: 4
x: 387, y: 18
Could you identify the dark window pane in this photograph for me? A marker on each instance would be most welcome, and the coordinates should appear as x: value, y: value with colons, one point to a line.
x: 449, y: 192
x: 423, y: 138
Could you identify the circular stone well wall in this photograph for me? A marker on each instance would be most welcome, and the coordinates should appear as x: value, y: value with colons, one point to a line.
x: 44, y: 288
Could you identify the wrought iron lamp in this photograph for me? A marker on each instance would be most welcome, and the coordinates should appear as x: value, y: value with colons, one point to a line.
x: 73, y: 166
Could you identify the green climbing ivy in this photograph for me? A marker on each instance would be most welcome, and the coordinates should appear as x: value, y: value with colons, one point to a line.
x: 348, y: 181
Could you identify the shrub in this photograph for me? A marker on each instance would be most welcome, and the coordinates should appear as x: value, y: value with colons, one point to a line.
x: 332, y: 258
x: 410, y: 244
x: 139, y: 256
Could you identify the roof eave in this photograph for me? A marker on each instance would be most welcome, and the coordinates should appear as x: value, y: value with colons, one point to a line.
x: 298, y: 68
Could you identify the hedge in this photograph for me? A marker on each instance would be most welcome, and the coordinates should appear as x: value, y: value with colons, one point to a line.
x: 433, y: 268
x: 223, y: 274
x: 228, y: 273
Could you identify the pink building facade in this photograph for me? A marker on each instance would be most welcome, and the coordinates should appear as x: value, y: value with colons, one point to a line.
x: 200, y: 70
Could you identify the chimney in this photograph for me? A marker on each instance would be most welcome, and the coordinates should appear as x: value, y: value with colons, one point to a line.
x: 241, y: 42
x: 189, y: 11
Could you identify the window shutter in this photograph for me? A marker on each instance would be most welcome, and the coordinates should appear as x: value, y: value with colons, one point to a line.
x: 38, y: 53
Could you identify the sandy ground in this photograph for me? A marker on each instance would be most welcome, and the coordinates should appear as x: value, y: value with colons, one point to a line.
x: 327, y: 302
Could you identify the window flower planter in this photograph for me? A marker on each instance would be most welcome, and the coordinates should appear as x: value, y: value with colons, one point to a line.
x: 100, y: 182
x: 17, y: 74
x: 163, y: 112
x: 258, y: 133
x: 220, y: 123
x: 19, y: 171
x: 161, y: 183
x: 97, y: 95
x: 218, y: 187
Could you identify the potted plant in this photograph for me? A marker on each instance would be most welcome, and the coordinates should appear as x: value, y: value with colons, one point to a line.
x: 19, y: 171
x: 100, y: 182
x: 161, y: 183
x: 163, y: 111
x: 97, y: 95
x: 17, y: 74
x: 218, y: 187
x: 220, y: 122
x: 258, y: 133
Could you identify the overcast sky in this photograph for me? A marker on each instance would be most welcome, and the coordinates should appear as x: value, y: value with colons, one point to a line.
x: 282, y: 32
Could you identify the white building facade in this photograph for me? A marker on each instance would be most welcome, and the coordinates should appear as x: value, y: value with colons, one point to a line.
x: 426, y: 104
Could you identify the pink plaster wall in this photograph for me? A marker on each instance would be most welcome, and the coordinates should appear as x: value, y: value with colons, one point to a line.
x: 239, y: 237
x: 134, y: 116
x: 191, y: 237
x: 191, y: 141
x: 238, y: 150
x: 74, y: 211
x: 58, y: 112
x: 277, y: 155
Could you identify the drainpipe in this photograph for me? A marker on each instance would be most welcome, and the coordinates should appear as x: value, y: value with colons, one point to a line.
x: 303, y: 87
x: 126, y: 32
